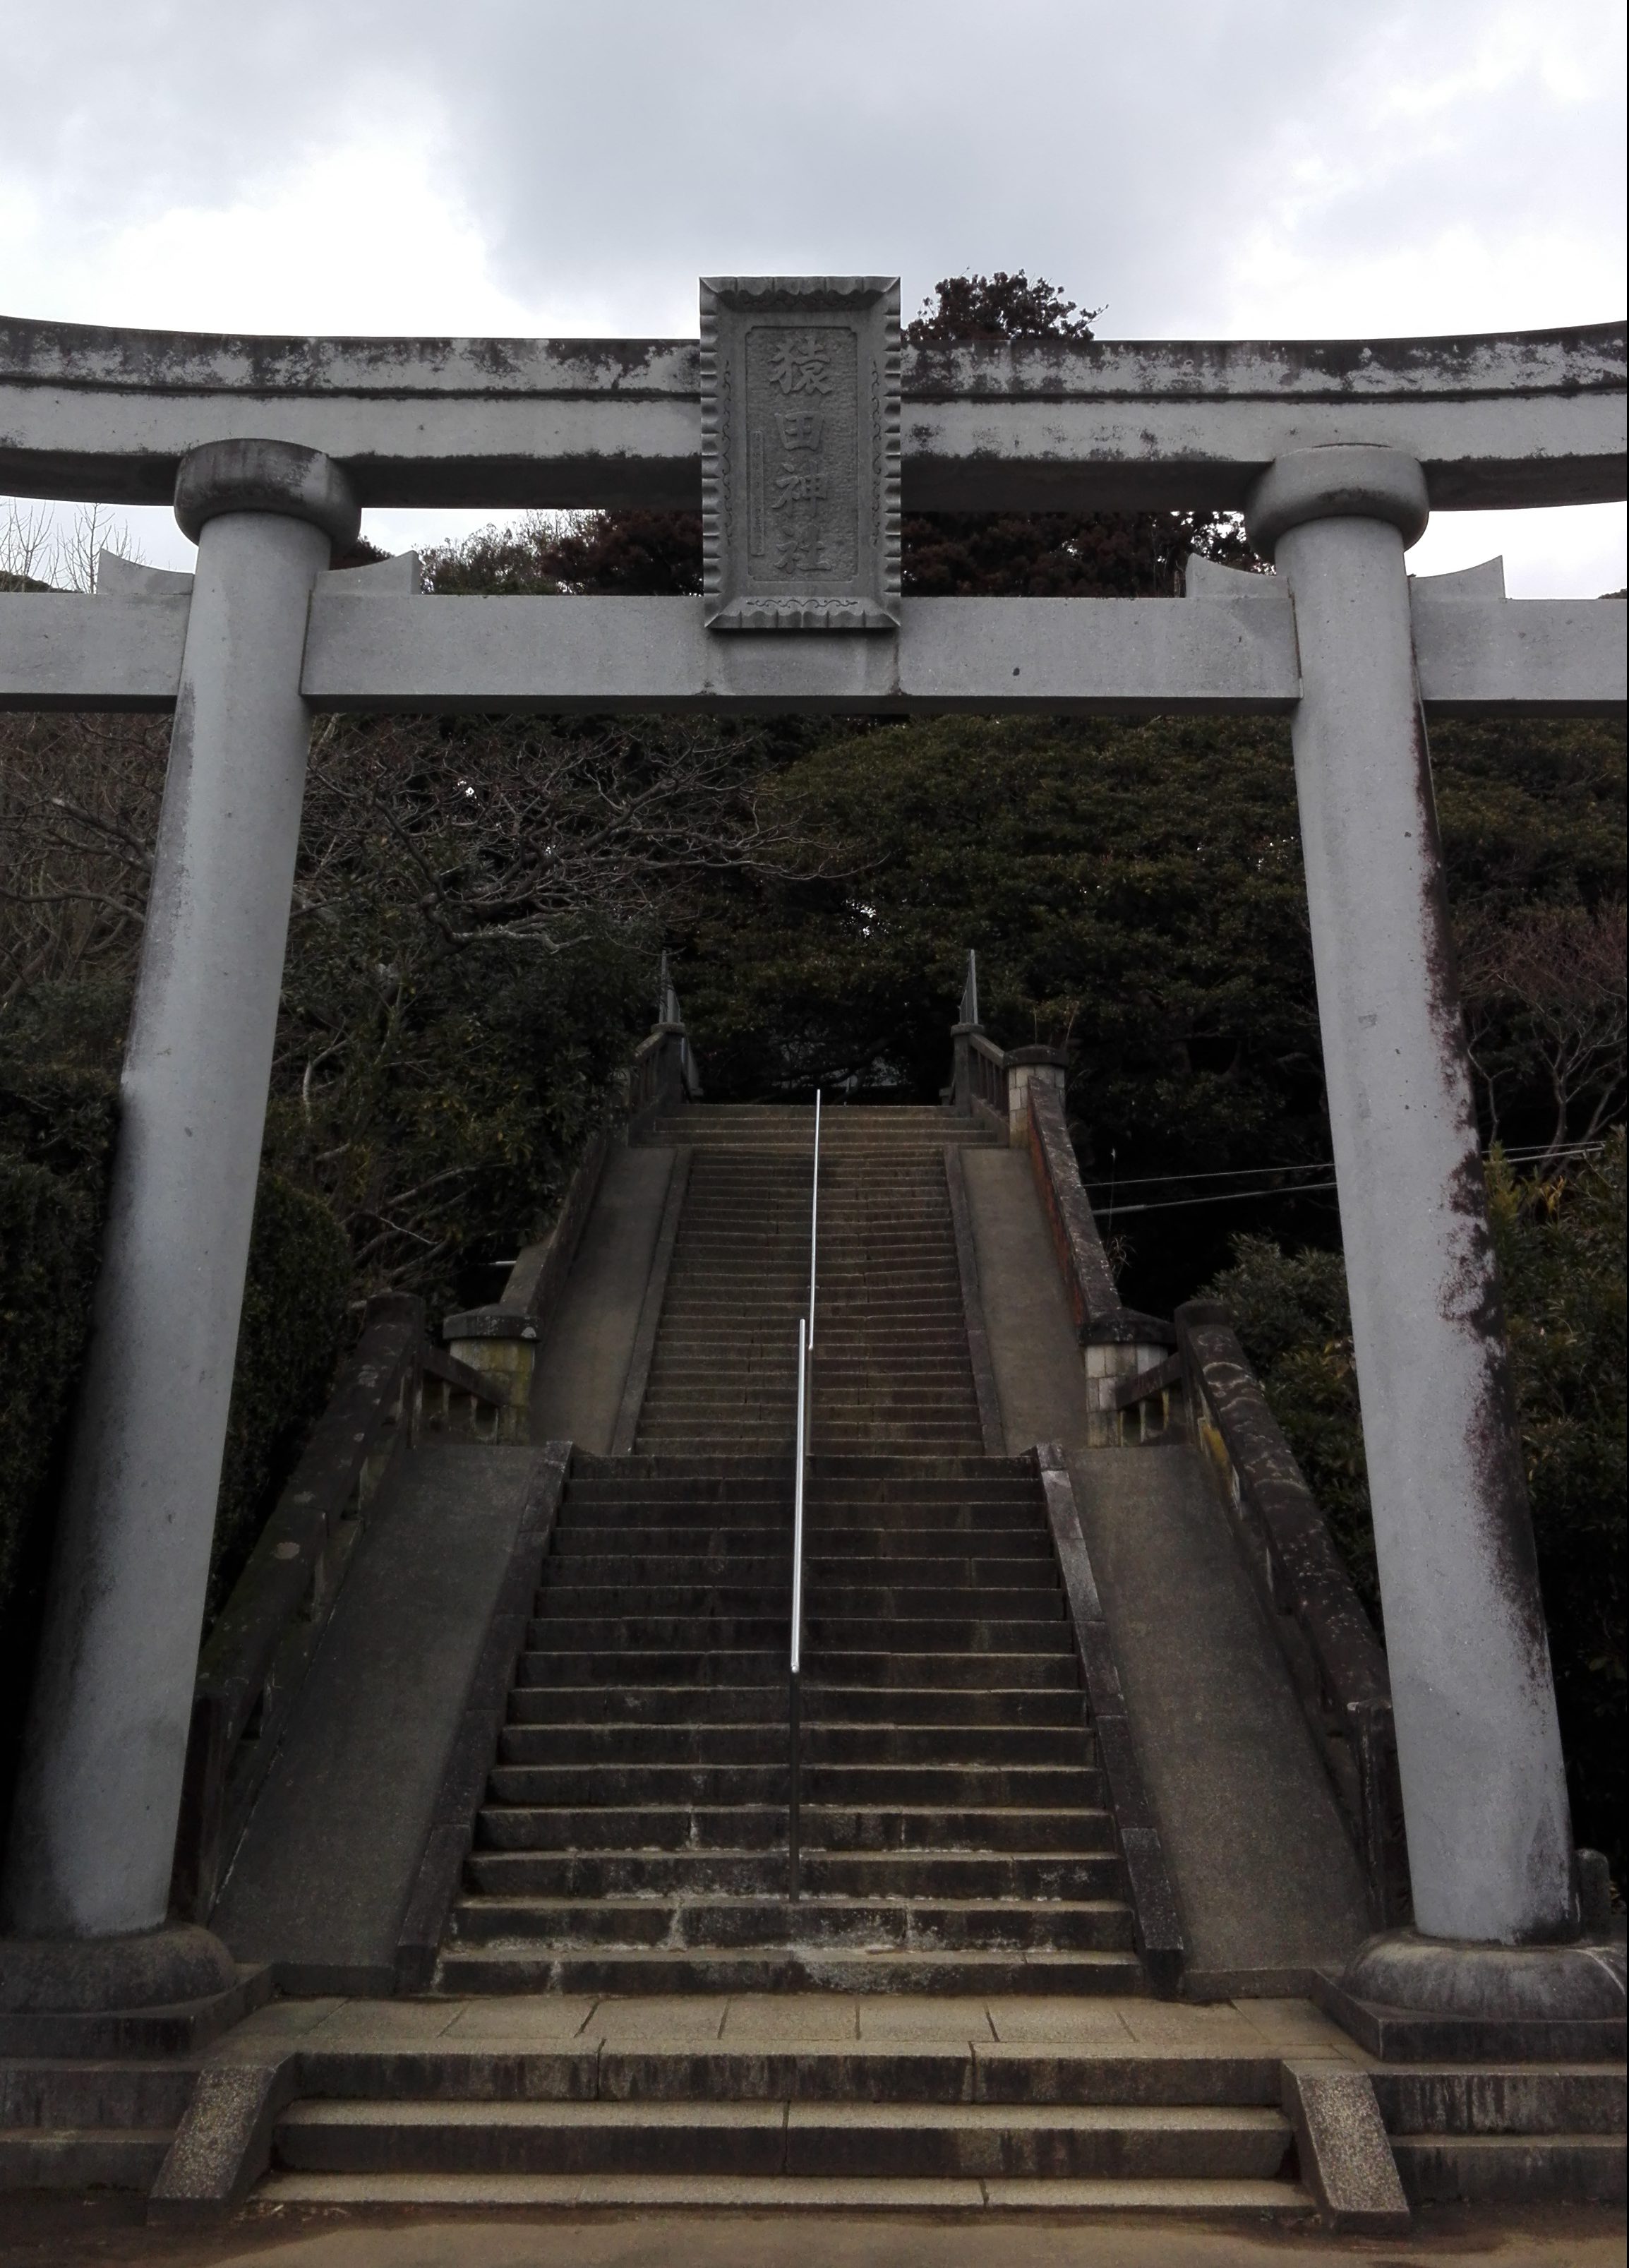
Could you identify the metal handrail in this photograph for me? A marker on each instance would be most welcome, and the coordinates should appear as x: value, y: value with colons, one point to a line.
x: 800, y: 1456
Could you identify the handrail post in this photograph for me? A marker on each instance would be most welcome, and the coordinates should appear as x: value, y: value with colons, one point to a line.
x: 793, y: 1715
x: 794, y: 1709
x: 814, y: 1220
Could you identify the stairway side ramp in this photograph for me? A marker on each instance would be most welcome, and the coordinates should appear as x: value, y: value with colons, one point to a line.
x: 1267, y: 1881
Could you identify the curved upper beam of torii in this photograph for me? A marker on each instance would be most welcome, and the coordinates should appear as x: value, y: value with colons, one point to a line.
x: 1523, y: 418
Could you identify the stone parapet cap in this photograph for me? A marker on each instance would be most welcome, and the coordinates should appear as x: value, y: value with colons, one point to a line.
x: 1129, y: 1326
x: 495, y: 1321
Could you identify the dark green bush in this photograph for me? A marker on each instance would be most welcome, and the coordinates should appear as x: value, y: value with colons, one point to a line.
x: 57, y: 1121
x: 1561, y: 1250
x: 55, y: 1131
x: 287, y: 1344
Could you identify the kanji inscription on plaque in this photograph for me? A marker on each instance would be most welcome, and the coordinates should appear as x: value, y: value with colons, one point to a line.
x: 800, y: 452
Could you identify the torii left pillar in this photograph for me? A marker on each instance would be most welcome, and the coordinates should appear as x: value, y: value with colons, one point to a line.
x: 93, y: 1826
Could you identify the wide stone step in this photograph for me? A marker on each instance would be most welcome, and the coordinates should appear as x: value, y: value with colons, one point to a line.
x: 639, y: 1969
x: 833, y: 2141
x: 1074, y: 1828
x: 931, y: 1874
x: 851, y: 1525
x: 1220, y: 2201
x: 997, y: 1709
x: 704, y: 1921
x: 1512, y: 2169
x: 81, y: 2158
x: 665, y: 1633
x: 902, y: 1478
x: 651, y: 1704
x: 676, y: 1442
x: 765, y: 1557
x: 841, y: 1634
x: 730, y: 1601
x: 900, y: 1434
x: 559, y: 1665
x: 882, y: 1671
x: 525, y: 1743
x: 973, y: 1786
x: 776, y: 2055
x: 1000, y: 1707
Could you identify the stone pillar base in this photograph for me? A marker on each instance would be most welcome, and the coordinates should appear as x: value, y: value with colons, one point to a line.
x: 156, y: 1991
x: 1407, y: 1997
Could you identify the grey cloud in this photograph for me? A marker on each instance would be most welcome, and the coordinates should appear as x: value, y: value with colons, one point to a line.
x: 619, y: 150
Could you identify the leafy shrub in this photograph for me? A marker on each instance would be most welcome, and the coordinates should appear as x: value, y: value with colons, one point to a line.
x: 287, y: 1344
x: 57, y: 1121
x: 1560, y: 1244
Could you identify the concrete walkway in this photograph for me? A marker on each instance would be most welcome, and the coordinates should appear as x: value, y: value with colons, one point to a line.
x: 517, y: 2024
x: 101, y: 2231
x: 96, y: 2231
x: 582, y: 1365
x: 1267, y: 1879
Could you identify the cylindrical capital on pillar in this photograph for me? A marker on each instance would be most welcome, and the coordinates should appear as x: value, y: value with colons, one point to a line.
x: 276, y: 476
x: 1344, y: 480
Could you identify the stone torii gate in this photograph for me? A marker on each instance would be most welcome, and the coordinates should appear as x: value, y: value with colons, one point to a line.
x: 799, y: 427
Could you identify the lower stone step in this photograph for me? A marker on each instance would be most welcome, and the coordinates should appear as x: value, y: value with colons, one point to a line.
x: 80, y: 2158
x: 830, y: 2141
x: 763, y: 1827
x: 1221, y: 2200
x: 763, y: 1873
x: 1511, y: 2169
x: 973, y: 1787
x: 701, y: 1920
x: 785, y: 1969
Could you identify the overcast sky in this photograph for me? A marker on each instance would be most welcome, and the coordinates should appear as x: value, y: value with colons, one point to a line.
x: 1196, y: 168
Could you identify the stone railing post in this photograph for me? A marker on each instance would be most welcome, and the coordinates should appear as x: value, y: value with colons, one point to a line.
x: 1479, y: 1752
x: 1046, y: 1067
x: 94, y: 1822
x: 961, y: 1067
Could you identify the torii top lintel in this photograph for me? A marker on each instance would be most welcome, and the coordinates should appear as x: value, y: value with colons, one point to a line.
x: 1523, y: 418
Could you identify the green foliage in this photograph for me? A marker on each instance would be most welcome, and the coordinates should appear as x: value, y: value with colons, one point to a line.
x: 56, y: 1135
x: 1562, y: 1249
x: 1560, y: 1245
x: 1531, y: 811
x: 1292, y: 1314
x: 1134, y: 890
x: 436, y: 1097
x: 59, y: 1048
x: 998, y: 306
x: 288, y: 1343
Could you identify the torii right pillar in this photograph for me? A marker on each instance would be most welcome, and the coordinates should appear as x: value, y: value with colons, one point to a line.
x: 1485, y: 1799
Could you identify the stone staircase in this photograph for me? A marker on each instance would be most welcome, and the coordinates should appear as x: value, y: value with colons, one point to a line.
x: 91, y: 2122
x: 634, y: 1835
x: 891, y: 1367
x: 629, y: 2009
x: 793, y: 2114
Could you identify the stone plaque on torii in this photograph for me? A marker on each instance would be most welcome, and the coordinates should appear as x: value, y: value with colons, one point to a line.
x: 799, y: 427
x: 799, y: 392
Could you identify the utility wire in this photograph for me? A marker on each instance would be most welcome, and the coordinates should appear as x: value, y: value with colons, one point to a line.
x: 1221, y: 1196
x: 1319, y: 1166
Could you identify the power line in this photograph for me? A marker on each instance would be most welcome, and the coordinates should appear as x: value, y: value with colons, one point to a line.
x: 1319, y: 1166
x: 1222, y: 1197
x: 1223, y: 1173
